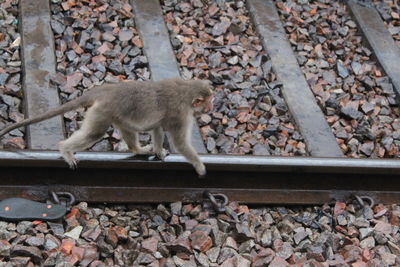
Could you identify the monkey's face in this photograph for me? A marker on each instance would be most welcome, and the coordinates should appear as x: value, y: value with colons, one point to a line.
x: 203, y: 105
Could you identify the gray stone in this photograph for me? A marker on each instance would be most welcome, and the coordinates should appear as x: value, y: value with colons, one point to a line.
x: 71, y: 55
x: 368, y: 242
x: 3, y: 78
x: 299, y: 236
x: 221, y: 27
x: 351, y: 113
x: 116, y: 67
x: 356, y: 67
x: 367, y: 148
x: 317, y: 252
x: 51, y: 242
x: 261, y: 150
x: 342, y: 70
x: 380, y: 238
x: 23, y: 226
x: 5, y: 248
x: 213, y: 254
x: 35, y: 241
x: 225, y: 254
x: 74, y: 233
x: 108, y: 36
x: 176, y: 208
x: 285, y: 251
x: 57, y: 26
x: 365, y: 232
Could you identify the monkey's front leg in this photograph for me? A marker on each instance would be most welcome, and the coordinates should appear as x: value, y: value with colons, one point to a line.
x: 182, y: 143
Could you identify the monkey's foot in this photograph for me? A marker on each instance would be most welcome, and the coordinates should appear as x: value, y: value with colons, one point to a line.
x: 144, y: 150
x: 162, y: 154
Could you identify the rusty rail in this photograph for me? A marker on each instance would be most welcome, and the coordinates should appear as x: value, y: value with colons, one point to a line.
x: 118, y: 177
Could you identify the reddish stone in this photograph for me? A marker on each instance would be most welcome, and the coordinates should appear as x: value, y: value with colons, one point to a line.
x: 366, y: 254
x: 104, y: 48
x: 72, y: 222
x: 115, y: 234
x: 74, y: 212
x: 200, y: 241
x: 92, y: 234
x: 89, y: 255
x: 179, y: 245
x: 394, y: 218
x: 154, y: 264
x: 243, y: 209
x: 359, y: 264
x: 340, y: 207
x: 230, y: 242
x: 78, y: 252
x: 5, y: 248
x: 66, y: 246
x: 351, y: 253
x: 278, y: 262
x: 167, y: 237
x: 187, y: 208
x: 150, y: 244
x: 383, y: 227
x: 174, y: 220
x: 378, y: 208
x: 42, y: 227
x: 183, y: 256
x: 99, y: 58
x: 98, y: 263
x: 72, y: 259
x: 190, y: 224
x: 228, y: 262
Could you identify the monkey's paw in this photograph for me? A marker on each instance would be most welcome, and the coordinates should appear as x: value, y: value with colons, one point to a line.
x: 201, y: 171
x: 162, y: 154
x: 73, y: 164
x: 144, y: 150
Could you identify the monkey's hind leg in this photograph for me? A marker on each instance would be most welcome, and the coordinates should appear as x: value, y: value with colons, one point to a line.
x: 93, y: 128
x: 132, y: 140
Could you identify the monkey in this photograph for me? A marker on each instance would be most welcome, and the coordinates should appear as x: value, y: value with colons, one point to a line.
x: 132, y: 107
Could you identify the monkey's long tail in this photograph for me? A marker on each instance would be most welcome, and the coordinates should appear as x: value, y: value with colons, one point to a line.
x: 81, y: 101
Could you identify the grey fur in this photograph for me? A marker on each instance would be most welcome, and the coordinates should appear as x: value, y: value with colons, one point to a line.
x: 133, y: 107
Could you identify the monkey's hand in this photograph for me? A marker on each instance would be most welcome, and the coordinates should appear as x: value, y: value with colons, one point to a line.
x: 201, y: 170
x: 73, y: 164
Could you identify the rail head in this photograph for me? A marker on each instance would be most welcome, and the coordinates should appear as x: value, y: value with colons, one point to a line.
x: 118, y: 160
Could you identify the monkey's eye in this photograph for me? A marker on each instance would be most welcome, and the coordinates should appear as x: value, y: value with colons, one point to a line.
x: 198, y: 101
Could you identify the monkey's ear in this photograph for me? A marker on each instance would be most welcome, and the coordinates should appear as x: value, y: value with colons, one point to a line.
x: 198, y: 101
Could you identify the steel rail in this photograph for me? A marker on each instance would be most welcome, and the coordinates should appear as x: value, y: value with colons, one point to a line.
x: 119, y: 177
x: 25, y: 158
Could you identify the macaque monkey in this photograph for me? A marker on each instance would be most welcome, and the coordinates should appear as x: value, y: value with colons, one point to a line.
x: 132, y: 107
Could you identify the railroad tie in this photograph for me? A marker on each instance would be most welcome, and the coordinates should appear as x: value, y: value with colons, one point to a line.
x: 157, y: 47
x: 297, y: 93
x: 380, y: 41
x: 39, y: 64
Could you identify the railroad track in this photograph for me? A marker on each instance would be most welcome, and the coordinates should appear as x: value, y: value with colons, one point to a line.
x: 118, y: 177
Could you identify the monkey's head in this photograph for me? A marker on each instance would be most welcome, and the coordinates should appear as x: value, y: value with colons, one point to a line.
x: 203, y: 100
